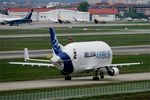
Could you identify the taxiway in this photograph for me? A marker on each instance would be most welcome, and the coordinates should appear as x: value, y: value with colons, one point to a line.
x: 117, y: 50
x: 49, y: 83
x: 44, y: 24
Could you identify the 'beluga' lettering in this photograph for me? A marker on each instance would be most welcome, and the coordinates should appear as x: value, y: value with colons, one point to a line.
x: 98, y: 54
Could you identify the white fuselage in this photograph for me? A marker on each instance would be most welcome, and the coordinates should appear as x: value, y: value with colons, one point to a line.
x: 88, y: 54
x: 8, y: 19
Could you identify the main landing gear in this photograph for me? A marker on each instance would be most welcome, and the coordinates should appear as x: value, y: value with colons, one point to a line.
x: 96, y: 77
x: 67, y: 77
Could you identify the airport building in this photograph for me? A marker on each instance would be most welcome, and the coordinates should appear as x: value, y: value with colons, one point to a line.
x: 21, y: 12
x: 63, y: 14
x: 48, y: 14
x: 121, y: 1
x: 104, y: 14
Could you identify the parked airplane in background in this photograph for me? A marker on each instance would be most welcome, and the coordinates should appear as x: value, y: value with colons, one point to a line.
x: 79, y: 20
x: 61, y: 21
x: 2, y: 20
x: 17, y: 21
x: 76, y: 57
x: 53, y: 20
x: 98, y: 21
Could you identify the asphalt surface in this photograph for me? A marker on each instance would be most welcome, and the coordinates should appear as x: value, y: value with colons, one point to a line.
x: 118, y: 50
x: 44, y: 24
x: 76, y: 34
x: 49, y: 83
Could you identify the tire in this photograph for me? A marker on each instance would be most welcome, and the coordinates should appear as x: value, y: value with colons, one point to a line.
x: 67, y: 78
x: 95, y: 78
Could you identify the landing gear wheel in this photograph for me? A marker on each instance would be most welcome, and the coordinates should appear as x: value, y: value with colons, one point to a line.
x: 68, y: 78
x: 102, y: 76
x: 95, y: 78
x: 96, y: 75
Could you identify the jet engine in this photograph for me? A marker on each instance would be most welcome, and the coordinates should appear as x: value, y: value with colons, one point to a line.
x: 113, y: 71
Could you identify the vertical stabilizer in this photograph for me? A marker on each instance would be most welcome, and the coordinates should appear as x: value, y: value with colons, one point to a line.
x: 55, y: 44
x: 29, y: 14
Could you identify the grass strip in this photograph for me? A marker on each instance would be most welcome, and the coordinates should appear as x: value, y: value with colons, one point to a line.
x: 20, y: 73
x: 121, y: 96
x: 81, y: 29
x: 12, y: 44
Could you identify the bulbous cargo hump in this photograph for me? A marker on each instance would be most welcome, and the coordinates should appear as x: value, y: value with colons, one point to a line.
x: 89, y: 54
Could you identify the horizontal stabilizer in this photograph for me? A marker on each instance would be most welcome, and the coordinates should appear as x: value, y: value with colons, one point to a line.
x: 27, y: 57
x: 32, y: 64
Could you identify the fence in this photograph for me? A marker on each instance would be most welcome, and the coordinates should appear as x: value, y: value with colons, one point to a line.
x: 71, y: 92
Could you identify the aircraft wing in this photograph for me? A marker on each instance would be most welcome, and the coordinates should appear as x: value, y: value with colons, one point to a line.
x: 123, y: 64
x: 32, y: 64
x: 112, y: 65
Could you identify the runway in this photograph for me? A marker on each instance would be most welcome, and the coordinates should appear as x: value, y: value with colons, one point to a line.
x: 117, y: 50
x: 49, y: 83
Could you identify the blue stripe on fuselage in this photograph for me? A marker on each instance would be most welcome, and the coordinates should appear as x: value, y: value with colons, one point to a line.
x: 68, y: 66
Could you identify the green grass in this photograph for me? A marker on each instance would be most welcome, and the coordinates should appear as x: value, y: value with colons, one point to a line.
x: 44, y: 42
x: 126, y: 96
x: 145, y: 67
x: 60, y: 30
x: 18, y: 72
x: 72, y: 30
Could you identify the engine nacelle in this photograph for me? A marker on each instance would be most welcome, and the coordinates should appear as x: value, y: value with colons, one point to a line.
x: 113, y: 71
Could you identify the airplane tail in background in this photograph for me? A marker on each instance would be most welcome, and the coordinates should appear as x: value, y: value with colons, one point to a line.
x: 29, y: 14
x: 75, y: 19
x: 55, y: 44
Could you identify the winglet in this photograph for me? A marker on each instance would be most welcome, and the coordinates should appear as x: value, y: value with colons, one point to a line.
x: 26, y: 54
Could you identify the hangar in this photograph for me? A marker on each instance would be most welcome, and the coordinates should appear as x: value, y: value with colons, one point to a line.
x: 64, y: 14
x: 47, y: 14
x: 103, y: 14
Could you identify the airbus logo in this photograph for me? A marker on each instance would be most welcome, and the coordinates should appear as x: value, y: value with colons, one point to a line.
x: 98, y: 55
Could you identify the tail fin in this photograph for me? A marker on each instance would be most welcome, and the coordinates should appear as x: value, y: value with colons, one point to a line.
x: 55, y: 44
x: 28, y: 16
x: 75, y: 19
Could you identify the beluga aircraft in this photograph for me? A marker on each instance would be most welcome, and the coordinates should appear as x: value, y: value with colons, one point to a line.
x: 95, y: 56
